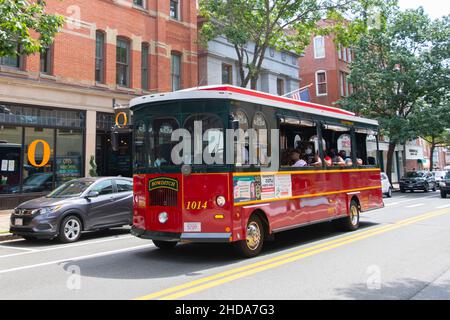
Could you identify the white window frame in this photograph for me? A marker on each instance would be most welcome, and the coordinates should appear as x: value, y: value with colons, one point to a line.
x: 317, y: 83
x: 316, y: 53
x: 178, y: 18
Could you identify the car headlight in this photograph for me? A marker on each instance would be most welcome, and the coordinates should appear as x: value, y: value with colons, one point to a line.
x: 442, y: 184
x: 46, y: 210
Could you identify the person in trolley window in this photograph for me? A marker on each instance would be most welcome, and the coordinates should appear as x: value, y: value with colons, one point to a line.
x: 297, y: 160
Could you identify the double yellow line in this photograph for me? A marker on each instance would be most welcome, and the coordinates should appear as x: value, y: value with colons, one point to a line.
x: 247, y: 270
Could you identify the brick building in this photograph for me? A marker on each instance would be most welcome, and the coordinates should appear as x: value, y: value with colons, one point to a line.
x: 108, y: 49
x: 326, y: 67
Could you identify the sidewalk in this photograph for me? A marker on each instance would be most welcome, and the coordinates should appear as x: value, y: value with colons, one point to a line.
x: 4, y: 225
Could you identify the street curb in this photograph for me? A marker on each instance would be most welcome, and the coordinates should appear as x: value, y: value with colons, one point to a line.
x: 8, y: 236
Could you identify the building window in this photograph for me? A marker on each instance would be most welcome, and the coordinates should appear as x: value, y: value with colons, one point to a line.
x: 176, y: 72
x: 123, y: 62
x: 61, y: 132
x: 272, y: 52
x: 99, y: 57
x: 227, y: 77
x: 321, y: 83
x: 139, y: 3
x: 350, y: 58
x: 340, y: 52
x: 280, y: 87
x: 175, y: 9
x: 294, y: 60
x: 144, y: 66
x: 12, y: 61
x: 344, y: 54
x: 283, y: 56
x: 319, y: 47
x: 46, y: 61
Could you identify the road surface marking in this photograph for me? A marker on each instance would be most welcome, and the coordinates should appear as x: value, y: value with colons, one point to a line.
x: 409, y: 200
x: 14, y: 248
x: 444, y: 206
x: 95, y: 255
x: 61, y: 246
x: 247, y: 270
x: 415, y: 205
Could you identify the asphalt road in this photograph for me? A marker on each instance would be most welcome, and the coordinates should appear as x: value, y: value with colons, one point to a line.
x: 400, y: 252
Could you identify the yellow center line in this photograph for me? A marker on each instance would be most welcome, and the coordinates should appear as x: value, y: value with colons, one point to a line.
x: 236, y: 273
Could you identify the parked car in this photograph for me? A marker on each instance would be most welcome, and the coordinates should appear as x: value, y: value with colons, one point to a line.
x: 85, y: 204
x: 439, y: 176
x: 417, y: 180
x: 444, y: 185
x: 386, y: 185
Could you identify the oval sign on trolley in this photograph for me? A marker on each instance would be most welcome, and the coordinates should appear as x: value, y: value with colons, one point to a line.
x: 121, y: 116
x: 32, y: 153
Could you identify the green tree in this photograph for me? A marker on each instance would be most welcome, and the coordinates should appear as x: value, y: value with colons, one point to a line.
x: 252, y: 26
x: 93, y: 169
x: 20, y: 20
x: 392, y: 73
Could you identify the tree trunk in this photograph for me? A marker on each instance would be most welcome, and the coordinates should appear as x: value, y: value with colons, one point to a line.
x: 253, y: 83
x: 390, y: 158
x: 433, y: 146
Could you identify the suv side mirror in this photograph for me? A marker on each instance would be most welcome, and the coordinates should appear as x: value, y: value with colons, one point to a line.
x: 92, y: 194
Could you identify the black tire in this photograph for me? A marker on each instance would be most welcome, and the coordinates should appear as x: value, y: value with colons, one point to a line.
x: 443, y: 194
x: 426, y: 188
x: 389, y: 194
x: 402, y: 190
x: 350, y: 222
x: 70, y: 222
x: 165, y: 245
x: 254, y: 238
x: 434, y: 188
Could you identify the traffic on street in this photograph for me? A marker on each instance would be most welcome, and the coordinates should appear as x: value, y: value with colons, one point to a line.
x: 315, y: 262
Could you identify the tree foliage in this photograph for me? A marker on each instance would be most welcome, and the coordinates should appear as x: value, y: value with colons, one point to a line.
x: 400, y: 67
x: 25, y: 28
x: 252, y: 26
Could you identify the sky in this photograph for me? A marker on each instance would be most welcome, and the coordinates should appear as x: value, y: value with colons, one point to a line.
x: 434, y: 8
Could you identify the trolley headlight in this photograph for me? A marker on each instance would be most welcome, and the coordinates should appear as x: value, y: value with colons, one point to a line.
x: 220, y: 200
x: 163, y: 217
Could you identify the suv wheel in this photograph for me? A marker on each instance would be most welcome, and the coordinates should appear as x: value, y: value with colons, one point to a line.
x: 70, y: 229
x: 443, y: 194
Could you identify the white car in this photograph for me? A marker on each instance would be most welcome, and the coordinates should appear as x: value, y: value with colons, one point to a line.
x: 439, y: 176
x: 385, y: 185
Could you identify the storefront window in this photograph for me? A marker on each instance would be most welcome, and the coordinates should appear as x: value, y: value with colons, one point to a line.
x: 40, y: 148
x: 10, y: 158
x: 69, y: 144
x: 38, y: 162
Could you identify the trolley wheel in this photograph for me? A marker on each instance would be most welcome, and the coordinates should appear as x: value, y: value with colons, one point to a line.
x: 350, y: 222
x: 165, y: 245
x: 254, y: 239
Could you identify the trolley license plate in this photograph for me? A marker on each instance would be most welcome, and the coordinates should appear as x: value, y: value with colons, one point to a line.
x: 18, y: 222
x: 192, y: 227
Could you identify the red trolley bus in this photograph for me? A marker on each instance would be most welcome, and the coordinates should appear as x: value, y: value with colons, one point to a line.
x: 323, y: 167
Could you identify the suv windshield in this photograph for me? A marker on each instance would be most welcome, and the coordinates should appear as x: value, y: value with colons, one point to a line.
x: 414, y: 174
x: 71, y: 189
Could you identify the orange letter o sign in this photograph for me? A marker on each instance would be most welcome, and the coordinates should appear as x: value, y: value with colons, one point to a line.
x: 125, y: 119
x: 32, y: 153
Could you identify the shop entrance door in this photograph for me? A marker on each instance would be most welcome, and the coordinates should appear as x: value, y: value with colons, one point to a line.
x: 114, y: 163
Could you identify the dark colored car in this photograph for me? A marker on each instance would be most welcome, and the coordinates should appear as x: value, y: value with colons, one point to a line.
x: 444, y: 185
x: 418, y: 180
x: 85, y: 204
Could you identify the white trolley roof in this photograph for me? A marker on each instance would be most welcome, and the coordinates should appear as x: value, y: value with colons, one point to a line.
x: 247, y: 95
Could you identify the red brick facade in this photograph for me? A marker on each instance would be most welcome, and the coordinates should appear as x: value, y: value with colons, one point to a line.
x: 74, y: 47
x: 331, y: 63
